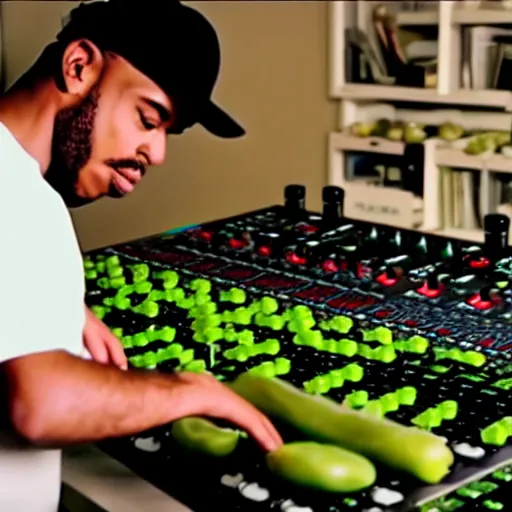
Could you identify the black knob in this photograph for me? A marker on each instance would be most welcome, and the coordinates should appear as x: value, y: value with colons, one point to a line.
x: 496, y: 228
x: 220, y: 239
x: 432, y: 281
x: 310, y: 252
x: 333, y: 199
x: 295, y: 197
x: 391, y: 272
x: 485, y: 293
x: 269, y: 244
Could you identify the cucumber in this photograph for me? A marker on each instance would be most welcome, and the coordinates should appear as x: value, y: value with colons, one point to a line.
x: 409, y: 449
x: 322, y: 467
x: 204, y: 437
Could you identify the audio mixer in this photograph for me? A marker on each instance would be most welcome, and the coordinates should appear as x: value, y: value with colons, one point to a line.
x: 412, y: 327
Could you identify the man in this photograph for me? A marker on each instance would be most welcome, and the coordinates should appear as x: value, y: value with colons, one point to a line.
x: 97, y: 105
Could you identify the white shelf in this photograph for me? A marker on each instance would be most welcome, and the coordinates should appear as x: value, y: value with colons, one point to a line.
x: 480, y: 98
x: 348, y: 142
x: 448, y: 157
x: 474, y: 16
x: 417, y: 19
x: 472, y: 110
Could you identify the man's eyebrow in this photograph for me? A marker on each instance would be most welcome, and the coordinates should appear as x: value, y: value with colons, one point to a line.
x: 164, y: 113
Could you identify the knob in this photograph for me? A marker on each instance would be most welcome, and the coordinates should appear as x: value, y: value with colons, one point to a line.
x: 269, y: 244
x: 295, y: 198
x: 333, y: 199
x: 432, y: 281
x: 496, y: 228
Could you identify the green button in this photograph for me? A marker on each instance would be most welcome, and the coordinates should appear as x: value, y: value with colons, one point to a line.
x: 389, y: 402
x: 353, y: 372
x: 407, y: 395
x: 348, y: 348
x: 201, y: 299
x: 282, y: 366
x: 186, y: 356
x: 117, y: 282
x: 246, y: 337
x: 381, y: 334
x: 88, y: 263
x: 141, y: 339
x: 493, y: 505
x: 276, y: 322
x: 201, y: 285
x: 448, y: 409
x: 418, y: 344
x: 271, y: 347
x: 91, y: 274
x: 100, y: 267
x: 341, y: 324
x: 358, y: 399
x: 150, y: 360
x: 269, y: 305
x: 336, y: 378
x: 196, y: 366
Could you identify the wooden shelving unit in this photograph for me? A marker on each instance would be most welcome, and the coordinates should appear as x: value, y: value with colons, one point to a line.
x: 473, y: 109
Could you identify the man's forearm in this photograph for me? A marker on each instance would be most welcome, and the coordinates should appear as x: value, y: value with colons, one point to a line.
x: 56, y: 398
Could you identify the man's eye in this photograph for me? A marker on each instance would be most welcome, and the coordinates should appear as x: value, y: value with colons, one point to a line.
x: 148, y: 125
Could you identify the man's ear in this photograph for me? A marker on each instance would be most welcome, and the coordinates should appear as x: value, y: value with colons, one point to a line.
x: 82, y: 66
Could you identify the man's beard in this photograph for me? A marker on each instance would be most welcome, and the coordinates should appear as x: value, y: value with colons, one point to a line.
x: 72, y: 148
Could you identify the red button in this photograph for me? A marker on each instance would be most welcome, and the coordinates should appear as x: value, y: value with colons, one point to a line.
x: 296, y: 260
x: 477, y: 302
x: 205, y: 235
x: 431, y: 294
x: 236, y: 244
x: 481, y: 262
x: 329, y: 266
x: 307, y: 228
x: 264, y: 251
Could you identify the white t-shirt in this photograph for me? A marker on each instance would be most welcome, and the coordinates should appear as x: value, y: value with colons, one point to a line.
x: 41, y: 308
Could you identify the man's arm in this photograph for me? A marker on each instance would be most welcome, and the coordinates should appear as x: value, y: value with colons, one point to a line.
x: 55, y: 398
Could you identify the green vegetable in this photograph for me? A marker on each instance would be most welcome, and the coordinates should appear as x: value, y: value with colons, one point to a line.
x: 414, y: 133
x: 362, y: 129
x: 204, y: 437
x: 322, y: 467
x: 409, y: 449
x: 450, y: 131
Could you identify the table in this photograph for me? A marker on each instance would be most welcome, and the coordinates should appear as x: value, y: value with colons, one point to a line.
x: 94, y: 482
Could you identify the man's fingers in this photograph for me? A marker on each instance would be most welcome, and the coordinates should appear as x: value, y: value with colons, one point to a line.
x: 117, y: 355
x: 276, y: 436
x: 98, y: 351
x: 263, y: 432
x: 255, y: 423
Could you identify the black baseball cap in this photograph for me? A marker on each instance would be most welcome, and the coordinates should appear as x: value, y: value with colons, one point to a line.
x: 172, y: 44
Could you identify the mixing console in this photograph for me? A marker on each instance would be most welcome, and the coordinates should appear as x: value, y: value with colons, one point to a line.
x: 412, y: 327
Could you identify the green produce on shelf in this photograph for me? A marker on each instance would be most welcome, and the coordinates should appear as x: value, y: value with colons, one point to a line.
x: 487, y: 142
x: 396, y: 131
x: 321, y: 467
x: 414, y: 133
x: 450, y: 131
x: 362, y: 129
x: 381, y: 128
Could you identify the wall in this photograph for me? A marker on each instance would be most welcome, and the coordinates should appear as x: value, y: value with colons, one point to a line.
x: 273, y: 80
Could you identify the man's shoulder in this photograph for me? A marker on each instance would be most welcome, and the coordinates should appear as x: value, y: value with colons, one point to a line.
x: 16, y: 163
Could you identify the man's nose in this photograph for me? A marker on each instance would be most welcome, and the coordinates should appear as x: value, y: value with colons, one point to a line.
x: 156, y: 148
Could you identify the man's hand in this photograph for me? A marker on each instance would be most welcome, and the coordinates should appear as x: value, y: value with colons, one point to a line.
x: 84, y: 401
x: 204, y: 395
x: 103, y: 346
